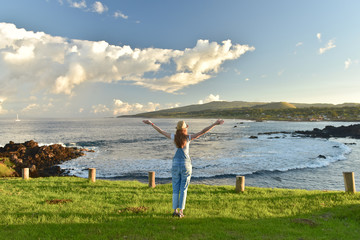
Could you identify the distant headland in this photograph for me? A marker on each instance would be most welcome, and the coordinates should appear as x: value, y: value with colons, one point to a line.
x: 261, y: 111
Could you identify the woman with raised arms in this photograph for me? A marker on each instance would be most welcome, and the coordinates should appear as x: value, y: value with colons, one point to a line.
x: 181, y: 163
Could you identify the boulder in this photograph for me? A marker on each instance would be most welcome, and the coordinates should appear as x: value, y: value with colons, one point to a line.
x: 14, y: 158
x: 31, y: 144
x: 43, y: 160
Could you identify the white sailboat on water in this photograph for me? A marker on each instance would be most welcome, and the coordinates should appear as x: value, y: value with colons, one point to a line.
x: 17, y: 118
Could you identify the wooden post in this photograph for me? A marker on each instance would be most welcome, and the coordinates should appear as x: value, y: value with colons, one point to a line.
x: 349, y: 181
x: 240, y: 184
x: 152, y: 179
x: 25, y: 173
x: 92, y: 174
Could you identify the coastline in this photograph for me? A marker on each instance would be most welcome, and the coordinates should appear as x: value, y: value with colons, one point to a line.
x: 303, y: 178
x: 106, y: 143
x: 238, y: 119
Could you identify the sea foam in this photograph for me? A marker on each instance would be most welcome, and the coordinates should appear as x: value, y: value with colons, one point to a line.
x: 241, y: 156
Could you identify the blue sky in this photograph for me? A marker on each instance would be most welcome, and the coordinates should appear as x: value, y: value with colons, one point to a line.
x: 84, y: 58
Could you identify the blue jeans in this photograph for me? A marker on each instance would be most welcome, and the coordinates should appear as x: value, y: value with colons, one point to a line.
x: 181, y: 175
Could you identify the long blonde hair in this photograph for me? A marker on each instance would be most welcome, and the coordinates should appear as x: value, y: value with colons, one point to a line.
x: 181, y: 138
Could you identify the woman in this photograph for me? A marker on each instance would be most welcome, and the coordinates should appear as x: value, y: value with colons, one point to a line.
x: 181, y: 164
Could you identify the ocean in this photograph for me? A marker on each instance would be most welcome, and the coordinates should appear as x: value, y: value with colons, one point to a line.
x: 125, y: 148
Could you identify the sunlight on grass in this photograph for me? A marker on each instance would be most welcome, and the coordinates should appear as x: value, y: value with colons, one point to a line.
x: 69, y: 207
x: 6, y: 167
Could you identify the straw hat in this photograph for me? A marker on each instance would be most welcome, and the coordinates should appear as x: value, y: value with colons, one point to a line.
x: 181, y: 125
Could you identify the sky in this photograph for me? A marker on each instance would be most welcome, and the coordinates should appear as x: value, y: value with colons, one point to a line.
x: 84, y: 58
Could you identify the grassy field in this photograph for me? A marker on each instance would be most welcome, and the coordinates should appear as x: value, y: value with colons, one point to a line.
x: 73, y: 208
x: 6, y: 167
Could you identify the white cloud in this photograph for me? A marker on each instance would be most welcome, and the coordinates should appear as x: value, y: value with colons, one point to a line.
x: 150, y: 107
x: 349, y: 62
x: 98, y: 7
x: 327, y: 47
x: 196, y: 64
x: 77, y: 4
x: 318, y: 36
x: 2, y: 110
x: 169, y: 105
x: 119, y: 14
x: 30, y: 107
x: 58, y: 65
x: 121, y: 108
x: 100, y: 108
x: 22, y: 53
x: 281, y: 72
x: 207, y: 57
x: 75, y: 76
x: 210, y: 98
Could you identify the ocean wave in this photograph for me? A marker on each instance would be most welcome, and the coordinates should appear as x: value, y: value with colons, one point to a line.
x: 48, y: 144
x: 199, y: 171
x: 102, y: 143
x: 241, y: 156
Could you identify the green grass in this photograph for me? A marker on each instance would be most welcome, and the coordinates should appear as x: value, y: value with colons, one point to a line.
x: 6, y: 167
x: 131, y: 210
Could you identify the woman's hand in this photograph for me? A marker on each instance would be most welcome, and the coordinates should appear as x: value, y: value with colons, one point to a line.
x: 219, y: 122
x: 205, y: 130
x: 148, y: 122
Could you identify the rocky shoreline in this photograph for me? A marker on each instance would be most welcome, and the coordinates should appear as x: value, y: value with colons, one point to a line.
x: 351, y: 131
x: 42, y: 161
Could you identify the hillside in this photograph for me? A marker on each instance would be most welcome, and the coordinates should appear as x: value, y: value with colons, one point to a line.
x: 276, y: 105
x: 216, y: 105
x: 219, y: 105
x: 261, y: 111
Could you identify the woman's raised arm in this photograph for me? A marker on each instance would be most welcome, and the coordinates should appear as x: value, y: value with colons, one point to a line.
x: 166, y: 134
x: 207, y: 129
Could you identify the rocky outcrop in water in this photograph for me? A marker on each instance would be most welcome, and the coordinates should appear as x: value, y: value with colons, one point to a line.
x: 42, y: 161
x: 352, y: 131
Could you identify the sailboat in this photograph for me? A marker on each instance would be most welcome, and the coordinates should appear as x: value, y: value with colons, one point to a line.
x: 17, y: 118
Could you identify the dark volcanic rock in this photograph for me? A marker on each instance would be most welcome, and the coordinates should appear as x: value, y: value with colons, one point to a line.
x: 42, y: 161
x: 352, y: 131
